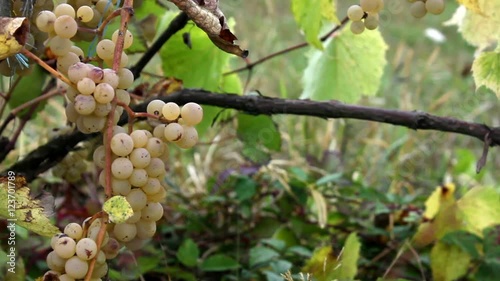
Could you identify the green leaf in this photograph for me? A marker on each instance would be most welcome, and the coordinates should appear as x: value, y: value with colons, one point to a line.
x: 481, y: 29
x: 488, y: 270
x: 466, y: 241
x: 349, y: 259
x: 188, y: 253
x: 491, y: 247
x: 255, y: 154
x: 245, y: 188
x: 350, y: 66
x: 448, y: 262
x: 329, y: 178
x: 309, y: 15
x: 479, y: 200
x: 281, y: 266
x: 28, y: 88
x: 272, y: 276
x: 299, y: 250
x: 18, y: 273
x: 276, y: 244
x: 24, y: 210
x: 259, y: 129
x: 260, y: 255
x: 198, y: 67
x: 486, y: 71
x: 285, y: 234
x: 219, y: 262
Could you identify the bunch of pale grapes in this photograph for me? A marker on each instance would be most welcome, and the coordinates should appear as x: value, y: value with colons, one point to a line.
x: 365, y: 15
x: 72, y: 166
x: 90, y: 101
x: 419, y: 8
x: 177, y: 123
x: 73, y: 250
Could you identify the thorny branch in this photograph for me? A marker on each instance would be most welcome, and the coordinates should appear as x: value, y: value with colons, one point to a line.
x: 46, y: 156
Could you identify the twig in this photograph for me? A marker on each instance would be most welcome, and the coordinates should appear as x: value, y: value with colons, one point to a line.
x: 482, y: 161
x: 249, y: 66
x: 45, y: 156
x: 47, y: 67
x: 177, y: 24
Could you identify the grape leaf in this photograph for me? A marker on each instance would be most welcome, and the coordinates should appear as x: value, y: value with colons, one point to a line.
x: 442, y: 268
x: 118, y: 209
x: 309, y: 15
x: 17, y: 205
x: 486, y: 71
x: 349, y: 259
x: 481, y: 30
x: 349, y: 67
x: 198, y: 67
x: 13, y: 35
x: 472, y: 5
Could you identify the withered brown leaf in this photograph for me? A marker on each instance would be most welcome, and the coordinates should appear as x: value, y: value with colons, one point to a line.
x: 207, y: 15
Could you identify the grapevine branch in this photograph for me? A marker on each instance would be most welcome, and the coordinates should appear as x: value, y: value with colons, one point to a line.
x: 46, y: 156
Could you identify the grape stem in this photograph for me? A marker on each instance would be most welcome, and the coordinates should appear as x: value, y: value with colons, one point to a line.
x: 126, y: 13
x: 250, y: 66
x: 133, y: 115
x: 47, y: 67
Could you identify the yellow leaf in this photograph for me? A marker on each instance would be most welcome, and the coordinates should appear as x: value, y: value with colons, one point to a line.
x: 448, y: 262
x: 321, y: 207
x: 472, y: 5
x: 441, y: 195
x: 118, y: 209
x: 19, y: 208
x: 13, y: 35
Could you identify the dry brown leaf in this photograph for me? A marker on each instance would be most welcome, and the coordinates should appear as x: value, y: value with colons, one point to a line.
x: 207, y: 16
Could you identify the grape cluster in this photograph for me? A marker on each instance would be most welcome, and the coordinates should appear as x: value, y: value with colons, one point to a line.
x: 178, y: 126
x: 419, y: 8
x: 365, y: 15
x: 90, y: 102
x: 73, y: 249
x: 72, y: 166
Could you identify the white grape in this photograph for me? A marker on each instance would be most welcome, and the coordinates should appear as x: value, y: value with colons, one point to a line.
x: 76, y: 267
x: 104, y: 93
x: 125, y: 231
x: 417, y: 9
x: 65, y: 26
x: 171, y: 111
x: 84, y: 105
x: 73, y: 230
x: 128, y: 38
x: 86, y: 249
x: 120, y: 187
x: 86, y: 86
x: 64, y: 9
x: 138, y: 178
x: 122, y: 144
x: 85, y: 13
x: 357, y: 27
x: 355, y: 13
x: 173, y: 132
x: 105, y: 49
x: 137, y: 199
x: 140, y: 157
x: 371, y: 21
x: 140, y: 138
x: 189, y: 137
x: 126, y: 78
x: 155, y: 107
x: 65, y: 247
x: 191, y: 113
x: 122, y: 168
x: 152, y: 212
x: 45, y: 21
x: 435, y: 7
